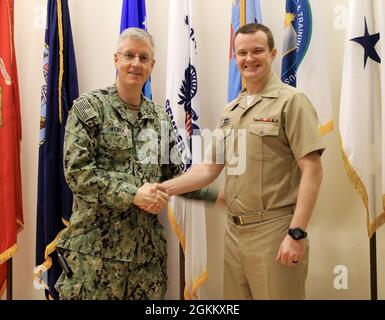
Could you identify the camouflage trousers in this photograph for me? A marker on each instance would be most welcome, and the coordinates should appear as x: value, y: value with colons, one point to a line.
x: 95, y: 278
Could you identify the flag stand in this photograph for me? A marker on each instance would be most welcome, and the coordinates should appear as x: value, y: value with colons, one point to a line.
x: 373, y: 267
x: 181, y: 273
x: 9, y: 279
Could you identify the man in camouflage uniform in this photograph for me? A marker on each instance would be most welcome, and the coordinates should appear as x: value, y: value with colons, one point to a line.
x: 113, y: 153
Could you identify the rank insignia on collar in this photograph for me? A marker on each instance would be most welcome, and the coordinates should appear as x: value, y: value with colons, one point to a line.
x: 225, y: 121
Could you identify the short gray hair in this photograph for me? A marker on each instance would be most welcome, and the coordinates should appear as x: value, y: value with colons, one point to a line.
x: 138, y: 34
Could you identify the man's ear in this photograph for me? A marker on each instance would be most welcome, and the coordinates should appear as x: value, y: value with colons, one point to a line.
x: 115, y: 60
x: 273, y: 53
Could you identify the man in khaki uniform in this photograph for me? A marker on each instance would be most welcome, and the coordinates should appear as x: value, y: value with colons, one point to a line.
x: 270, y: 202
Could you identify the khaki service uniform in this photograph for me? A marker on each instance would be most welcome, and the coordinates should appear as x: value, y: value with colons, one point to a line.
x: 278, y: 128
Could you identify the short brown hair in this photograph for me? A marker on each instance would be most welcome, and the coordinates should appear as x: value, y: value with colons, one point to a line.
x: 253, y: 28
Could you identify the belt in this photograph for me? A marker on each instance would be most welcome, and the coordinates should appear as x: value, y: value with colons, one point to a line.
x: 249, y: 218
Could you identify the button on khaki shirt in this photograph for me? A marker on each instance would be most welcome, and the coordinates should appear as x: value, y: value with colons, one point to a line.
x: 279, y: 128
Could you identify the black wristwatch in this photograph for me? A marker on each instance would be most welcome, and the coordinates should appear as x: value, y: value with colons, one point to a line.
x: 297, y: 233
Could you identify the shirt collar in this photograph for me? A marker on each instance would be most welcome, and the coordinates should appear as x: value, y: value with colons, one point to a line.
x: 271, y: 90
x: 146, y: 107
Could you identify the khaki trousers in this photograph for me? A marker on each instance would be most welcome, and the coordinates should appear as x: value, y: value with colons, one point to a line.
x: 250, y: 268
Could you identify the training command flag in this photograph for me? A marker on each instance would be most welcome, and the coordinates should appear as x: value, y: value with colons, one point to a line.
x: 187, y: 217
x: 54, y: 203
x: 134, y: 15
x: 305, y: 64
x: 11, y: 210
x: 362, y: 112
x: 243, y: 11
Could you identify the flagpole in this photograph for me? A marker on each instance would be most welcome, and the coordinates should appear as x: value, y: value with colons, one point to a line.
x: 182, y: 279
x: 373, y: 267
x: 9, y: 279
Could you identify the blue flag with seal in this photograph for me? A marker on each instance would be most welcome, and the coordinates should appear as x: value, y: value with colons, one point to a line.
x: 243, y: 12
x: 134, y: 15
x: 305, y: 64
x: 54, y: 203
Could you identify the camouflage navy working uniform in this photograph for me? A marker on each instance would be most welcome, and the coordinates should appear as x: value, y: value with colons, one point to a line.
x: 115, y: 249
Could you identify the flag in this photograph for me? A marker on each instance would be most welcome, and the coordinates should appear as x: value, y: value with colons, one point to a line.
x: 134, y: 15
x: 54, y: 203
x: 243, y: 11
x: 186, y: 217
x: 305, y: 64
x: 11, y: 212
x: 362, y: 110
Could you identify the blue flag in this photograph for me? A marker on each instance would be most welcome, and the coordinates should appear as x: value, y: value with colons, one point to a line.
x: 134, y: 15
x: 244, y: 11
x: 305, y: 63
x: 54, y: 204
x: 297, y: 35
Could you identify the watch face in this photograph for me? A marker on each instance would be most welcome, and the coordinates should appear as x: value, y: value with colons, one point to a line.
x: 297, y: 233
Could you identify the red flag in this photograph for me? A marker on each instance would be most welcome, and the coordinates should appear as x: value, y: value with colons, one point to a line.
x: 11, y: 208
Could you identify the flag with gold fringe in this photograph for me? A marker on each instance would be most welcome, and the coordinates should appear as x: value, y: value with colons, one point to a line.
x: 54, y: 203
x: 187, y: 217
x: 11, y: 211
x: 362, y: 112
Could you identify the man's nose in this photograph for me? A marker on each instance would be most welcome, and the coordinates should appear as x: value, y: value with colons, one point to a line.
x: 250, y: 56
x: 136, y: 61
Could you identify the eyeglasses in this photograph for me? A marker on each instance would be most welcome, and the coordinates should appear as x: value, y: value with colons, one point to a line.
x: 129, y: 57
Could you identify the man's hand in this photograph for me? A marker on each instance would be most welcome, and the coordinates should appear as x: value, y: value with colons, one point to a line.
x: 151, y: 198
x: 153, y: 207
x: 291, y: 251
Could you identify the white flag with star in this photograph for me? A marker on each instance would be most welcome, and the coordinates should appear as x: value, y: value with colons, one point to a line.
x: 362, y: 113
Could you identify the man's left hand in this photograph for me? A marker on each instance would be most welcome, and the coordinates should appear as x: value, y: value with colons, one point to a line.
x: 291, y: 251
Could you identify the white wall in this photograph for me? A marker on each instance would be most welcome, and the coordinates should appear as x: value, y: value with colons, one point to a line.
x: 338, y: 230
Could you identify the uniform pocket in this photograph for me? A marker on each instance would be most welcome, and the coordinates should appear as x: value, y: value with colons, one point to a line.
x: 264, y: 129
x: 115, y: 152
x: 116, y: 141
x: 69, y: 288
x: 260, y: 135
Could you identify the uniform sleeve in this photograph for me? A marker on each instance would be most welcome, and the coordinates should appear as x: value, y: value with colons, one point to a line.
x: 83, y: 177
x: 301, y: 127
x: 206, y: 194
x: 214, y: 152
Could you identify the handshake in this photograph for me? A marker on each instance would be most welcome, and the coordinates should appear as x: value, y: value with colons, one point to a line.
x: 151, y: 197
